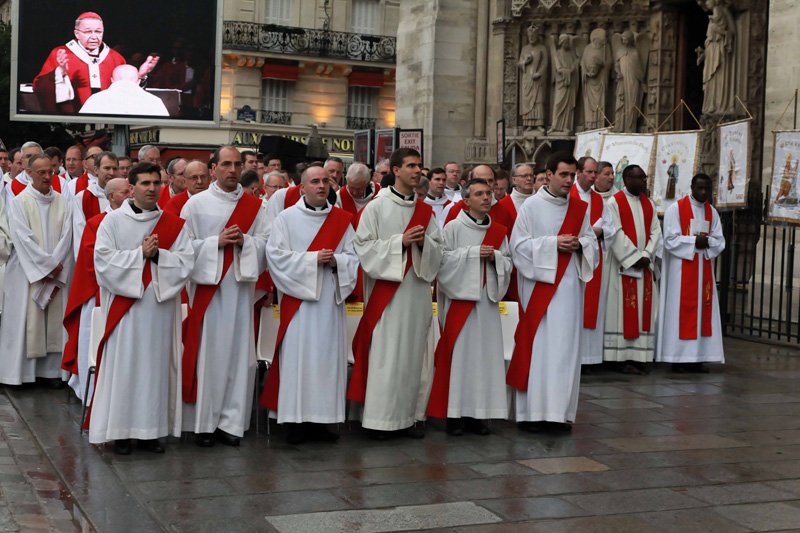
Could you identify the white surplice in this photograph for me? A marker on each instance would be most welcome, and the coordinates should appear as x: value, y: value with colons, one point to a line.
x: 438, y: 205
x: 477, y: 375
x: 226, y: 359
x: 360, y: 202
x: 138, y: 394
x: 677, y: 247
x: 623, y: 254
x: 592, y: 339
x: 554, y: 377
x: 31, y: 260
x: 313, y: 356
x: 5, y: 245
x: 275, y: 205
x: 78, y: 216
x: 397, y: 357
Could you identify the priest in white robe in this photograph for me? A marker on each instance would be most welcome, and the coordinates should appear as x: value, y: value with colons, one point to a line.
x: 436, y: 198
x: 92, y: 201
x: 229, y: 231
x: 143, y: 258
x: 689, y: 326
x: 555, y: 252
x: 632, y: 303
x: 358, y: 190
x: 31, y: 332
x: 594, y: 300
x: 469, y: 381
x: 311, y: 256
x: 400, y: 248
x: 5, y: 246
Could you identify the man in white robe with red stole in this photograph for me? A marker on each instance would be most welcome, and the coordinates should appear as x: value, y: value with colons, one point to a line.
x: 82, y: 182
x: 5, y: 246
x: 35, y: 288
x: 594, y: 296
x: 400, y: 248
x: 523, y: 178
x: 358, y: 191
x: 143, y: 258
x: 84, y: 294
x: 689, y: 325
x: 92, y: 201
x: 229, y: 232
x: 555, y: 252
x: 310, y: 253
x: 436, y: 197
x: 632, y: 303
x: 23, y: 179
x: 469, y: 379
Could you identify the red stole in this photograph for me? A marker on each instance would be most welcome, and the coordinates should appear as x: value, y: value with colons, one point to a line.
x: 164, y: 197
x: 90, y: 205
x: 689, y: 274
x: 167, y: 228
x: 83, y: 288
x: 328, y: 237
x: 457, y: 315
x: 244, y: 214
x: 382, y: 293
x: 541, y: 296
x: 630, y: 297
x: 17, y: 186
x: 591, y: 294
x: 349, y: 205
x: 82, y: 182
x: 55, y: 183
x: 455, y: 209
x: 176, y: 203
x: 510, y: 210
x: 292, y: 196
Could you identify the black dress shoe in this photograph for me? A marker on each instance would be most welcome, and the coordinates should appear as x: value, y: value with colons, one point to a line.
x: 152, y: 446
x: 376, y: 434
x: 204, y: 440
x: 295, y: 434
x: 122, y: 446
x: 226, y: 438
x: 559, y: 427
x: 454, y: 427
x: 531, y: 427
x: 478, y: 427
x: 414, y: 432
x: 321, y: 432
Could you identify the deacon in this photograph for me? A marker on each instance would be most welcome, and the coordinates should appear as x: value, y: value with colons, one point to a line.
x: 436, y: 197
x: 523, y: 179
x: 92, y: 200
x: 453, y: 181
x: 177, y: 182
x: 143, y: 258
x: 82, y: 182
x: 497, y: 212
x: 313, y: 263
x: 692, y: 335
x: 400, y: 249
x: 469, y: 380
x: 197, y: 180
x: 228, y: 229
x: 31, y: 334
x: 594, y: 296
x: 358, y: 191
x: 632, y: 301
x: 5, y: 246
x: 555, y: 251
x: 604, y: 184
x: 84, y: 294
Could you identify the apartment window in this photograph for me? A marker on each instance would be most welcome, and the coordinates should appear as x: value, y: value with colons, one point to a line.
x: 365, y: 15
x: 362, y: 107
x: 276, y: 97
x: 279, y: 12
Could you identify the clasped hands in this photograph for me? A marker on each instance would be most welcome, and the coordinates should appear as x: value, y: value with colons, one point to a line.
x: 326, y: 257
x: 568, y: 243
x: 231, y: 235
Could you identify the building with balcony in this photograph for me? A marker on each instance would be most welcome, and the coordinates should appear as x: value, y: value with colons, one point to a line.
x: 289, y: 64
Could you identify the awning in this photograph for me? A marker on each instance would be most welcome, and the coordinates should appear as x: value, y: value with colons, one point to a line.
x: 280, y: 71
x: 360, y: 78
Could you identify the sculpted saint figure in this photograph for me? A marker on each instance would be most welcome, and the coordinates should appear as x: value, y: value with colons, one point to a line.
x: 717, y: 59
x: 565, y: 85
x: 533, y: 62
x: 595, y: 65
x: 630, y: 72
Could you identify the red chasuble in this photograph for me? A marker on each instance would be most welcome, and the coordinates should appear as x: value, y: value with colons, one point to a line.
x: 83, y: 288
x: 328, y: 237
x: 382, y: 293
x: 591, y: 295
x: 457, y: 315
x: 630, y: 296
x: 167, y: 228
x: 81, y: 182
x: 176, y: 203
x: 90, y: 205
x: 520, y: 367
x: 244, y: 214
x: 689, y: 275
x: 164, y: 197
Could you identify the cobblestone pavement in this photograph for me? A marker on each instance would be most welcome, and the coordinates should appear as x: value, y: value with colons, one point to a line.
x: 662, y: 452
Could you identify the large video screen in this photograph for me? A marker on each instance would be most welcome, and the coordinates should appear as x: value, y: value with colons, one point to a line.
x: 102, y: 61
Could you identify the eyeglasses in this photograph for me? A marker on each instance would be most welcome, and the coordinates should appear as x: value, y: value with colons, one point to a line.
x: 90, y: 32
x: 272, y: 186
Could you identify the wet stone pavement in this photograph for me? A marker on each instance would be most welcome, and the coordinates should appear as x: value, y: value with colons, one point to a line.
x: 663, y: 452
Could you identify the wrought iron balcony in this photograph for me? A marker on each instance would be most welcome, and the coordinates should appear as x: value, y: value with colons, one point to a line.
x: 275, y: 117
x: 308, y: 42
x: 360, y: 123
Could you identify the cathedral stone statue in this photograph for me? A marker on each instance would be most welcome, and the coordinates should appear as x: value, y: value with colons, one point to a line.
x: 565, y: 85
x: 533, y: 63
x: 717, y: 59
x: 629, y: 69
x: 595, y: 65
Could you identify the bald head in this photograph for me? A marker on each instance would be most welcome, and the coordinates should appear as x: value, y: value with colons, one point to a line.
x: 484, y: 172
x: 125, y: 73
x: 117, y: 191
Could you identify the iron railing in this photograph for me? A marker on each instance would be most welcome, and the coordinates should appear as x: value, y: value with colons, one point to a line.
x: 361, y: 123
x: 308, y: 42
x: 275, y: 117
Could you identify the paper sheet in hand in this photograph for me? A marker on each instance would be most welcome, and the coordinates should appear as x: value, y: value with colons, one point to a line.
x: 697, y: 226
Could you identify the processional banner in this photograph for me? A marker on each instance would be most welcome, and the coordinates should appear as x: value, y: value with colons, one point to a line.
x: 589, y: 143
x: 625, y: 149
x: 676, y: 163
x: 784, y: 198
x: 734, y: 164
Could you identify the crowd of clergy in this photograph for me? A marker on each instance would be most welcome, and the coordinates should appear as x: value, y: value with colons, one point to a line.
x: 143, y: 289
